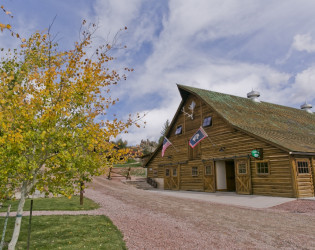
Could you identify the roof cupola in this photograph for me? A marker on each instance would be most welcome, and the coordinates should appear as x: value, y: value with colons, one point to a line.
x: 253, y: 95
x: 307, y: 107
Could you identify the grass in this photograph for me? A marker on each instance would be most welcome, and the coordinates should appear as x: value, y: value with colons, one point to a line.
x: 68, y: 232
x: 58, y: 203
x: 138, y: 172
x: 129, y: 163
x: 135, y: 171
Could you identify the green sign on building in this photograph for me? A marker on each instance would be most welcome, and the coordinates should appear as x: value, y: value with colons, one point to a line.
x: 255, y: 153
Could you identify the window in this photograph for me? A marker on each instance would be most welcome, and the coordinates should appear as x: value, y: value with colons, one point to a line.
x: 302, y: 166
x: 208, y: 170
x: 174, y: 171
x: 262, y: 167
x: 241, y: 168
x: 207, y: 121
x: 194, y: 171
x: 178, y: 130
x: 167, y: 172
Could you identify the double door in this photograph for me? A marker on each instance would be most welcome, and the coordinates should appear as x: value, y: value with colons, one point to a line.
x: 228, y: 176
x: 171, y: 178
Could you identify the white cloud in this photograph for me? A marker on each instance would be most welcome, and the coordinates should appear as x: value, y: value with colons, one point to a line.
x: 114, y: 15
x: 304, y: 42
x: 303, y: 89
x: 155, y: 119
x: 192, y: 32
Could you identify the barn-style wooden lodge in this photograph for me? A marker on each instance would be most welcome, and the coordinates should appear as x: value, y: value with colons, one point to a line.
x: 253, y: 147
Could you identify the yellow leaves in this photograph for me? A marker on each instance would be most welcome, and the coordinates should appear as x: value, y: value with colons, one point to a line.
x: 42, y: 136
x: 60, y: 96
x: 8, y: 26
x: 10, y: 78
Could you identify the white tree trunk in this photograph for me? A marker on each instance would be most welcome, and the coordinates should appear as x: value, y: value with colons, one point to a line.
x: 18, y: 219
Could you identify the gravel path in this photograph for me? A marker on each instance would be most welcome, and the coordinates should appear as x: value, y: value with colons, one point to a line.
x: 153, y: 221
x: 150, y: 220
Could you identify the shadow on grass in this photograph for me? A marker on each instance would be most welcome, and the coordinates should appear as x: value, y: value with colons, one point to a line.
x: 68, y: 232
x: 58, y: 203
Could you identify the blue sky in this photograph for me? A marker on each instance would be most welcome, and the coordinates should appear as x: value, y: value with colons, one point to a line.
x: 222, y: 45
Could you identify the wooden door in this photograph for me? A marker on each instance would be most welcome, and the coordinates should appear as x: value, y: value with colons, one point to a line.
x: 209, y: 176
x: 167, y: 177
x: 171, y: 178
x: 243, y: 176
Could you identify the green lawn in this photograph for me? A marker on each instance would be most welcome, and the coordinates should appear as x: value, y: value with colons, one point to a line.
x: 129, y: 163
x: 68, y: 232
x: 59, y: 203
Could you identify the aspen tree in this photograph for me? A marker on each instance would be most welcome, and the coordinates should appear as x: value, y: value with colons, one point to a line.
x: 52, y: 135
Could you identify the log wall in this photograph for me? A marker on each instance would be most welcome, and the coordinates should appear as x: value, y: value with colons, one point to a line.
x: 224, y: 142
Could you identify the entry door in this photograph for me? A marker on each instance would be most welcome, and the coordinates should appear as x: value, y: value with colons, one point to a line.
x: 230, y: 175
x: 171, y: 178
x: 209, y: 176
x: 243, y: 176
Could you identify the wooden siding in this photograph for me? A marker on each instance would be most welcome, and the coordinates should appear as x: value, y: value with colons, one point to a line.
x: 233, y: 144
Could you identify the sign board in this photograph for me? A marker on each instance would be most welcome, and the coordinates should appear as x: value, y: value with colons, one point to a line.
x: 255, y: 153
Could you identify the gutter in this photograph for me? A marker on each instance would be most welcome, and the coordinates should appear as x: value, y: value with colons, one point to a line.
x: 301, y: 153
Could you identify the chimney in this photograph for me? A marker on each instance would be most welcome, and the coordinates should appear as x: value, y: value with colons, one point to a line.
x: 307, y: 107
x: 253, y: 95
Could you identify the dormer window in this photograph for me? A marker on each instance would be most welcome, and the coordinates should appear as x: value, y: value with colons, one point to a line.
x: 207, y: 122
x: 178, y: 130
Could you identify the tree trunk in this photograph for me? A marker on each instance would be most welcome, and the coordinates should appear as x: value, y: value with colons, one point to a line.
x: 81, y: 192
x: 18, y: 219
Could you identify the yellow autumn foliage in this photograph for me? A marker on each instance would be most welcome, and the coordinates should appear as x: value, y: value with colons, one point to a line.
x: 53, y: 131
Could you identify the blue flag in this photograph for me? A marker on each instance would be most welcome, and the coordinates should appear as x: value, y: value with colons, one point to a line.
x: 197, y: 137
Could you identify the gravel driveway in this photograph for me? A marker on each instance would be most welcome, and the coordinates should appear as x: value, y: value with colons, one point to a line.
x: 152, y: 221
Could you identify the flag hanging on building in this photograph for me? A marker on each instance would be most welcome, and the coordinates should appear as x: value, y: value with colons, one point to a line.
x: 197, y: 137
x: 166, y: 143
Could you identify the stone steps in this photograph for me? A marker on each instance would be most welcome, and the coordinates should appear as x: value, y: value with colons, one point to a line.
x: 140, y: 183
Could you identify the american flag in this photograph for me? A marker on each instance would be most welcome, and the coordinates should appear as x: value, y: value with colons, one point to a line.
x: 166, y: 143
x: 197, y: 137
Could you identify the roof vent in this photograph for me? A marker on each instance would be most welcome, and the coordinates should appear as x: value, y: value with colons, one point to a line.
x: 253, y: 95
x: 307, y: 107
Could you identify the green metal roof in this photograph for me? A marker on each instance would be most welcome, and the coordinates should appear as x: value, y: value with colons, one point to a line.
x: 290, y: 128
